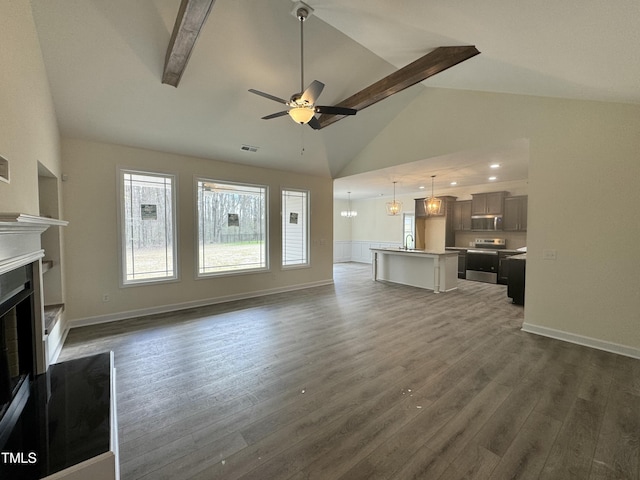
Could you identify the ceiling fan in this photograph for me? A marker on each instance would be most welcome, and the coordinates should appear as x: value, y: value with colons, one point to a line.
x: 302, y: 106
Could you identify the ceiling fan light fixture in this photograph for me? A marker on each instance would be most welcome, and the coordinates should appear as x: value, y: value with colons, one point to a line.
x: 301, y: 115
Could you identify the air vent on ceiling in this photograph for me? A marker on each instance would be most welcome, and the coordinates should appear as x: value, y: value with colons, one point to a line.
x: 249, y: 148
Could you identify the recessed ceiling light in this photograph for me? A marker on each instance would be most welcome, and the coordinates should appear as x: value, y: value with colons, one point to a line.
x: 421, y: 187
x: 492, y: 178
x: 494, y: 165
x: 453, y: 183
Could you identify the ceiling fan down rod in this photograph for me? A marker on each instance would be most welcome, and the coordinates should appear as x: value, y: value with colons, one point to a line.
x: 302, y: 14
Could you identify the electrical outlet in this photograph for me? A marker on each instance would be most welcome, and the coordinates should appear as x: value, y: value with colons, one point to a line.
x: 106, y: 297
x: 549, y: 254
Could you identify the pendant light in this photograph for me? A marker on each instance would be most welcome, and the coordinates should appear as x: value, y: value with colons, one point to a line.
x: 349, y: 213
x: 395, y: 207
x: 432, y: 204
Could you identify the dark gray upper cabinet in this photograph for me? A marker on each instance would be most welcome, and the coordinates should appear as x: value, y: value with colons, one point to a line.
x: 487, y: 203
x: 515, y: 214
x: 462, y: 215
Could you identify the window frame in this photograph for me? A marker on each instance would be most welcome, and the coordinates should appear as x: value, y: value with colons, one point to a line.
x: 122, y: 249
x: 307, y: 229
x: 406, y: 216
x: 196, y: 206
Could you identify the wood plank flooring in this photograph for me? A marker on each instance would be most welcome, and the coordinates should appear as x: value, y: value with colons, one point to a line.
x: 365, y: 380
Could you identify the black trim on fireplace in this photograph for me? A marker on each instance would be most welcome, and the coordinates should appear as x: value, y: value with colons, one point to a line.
x: 16, y: 293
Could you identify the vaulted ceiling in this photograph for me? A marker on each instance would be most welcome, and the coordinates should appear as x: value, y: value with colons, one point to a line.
x: 105, y: 63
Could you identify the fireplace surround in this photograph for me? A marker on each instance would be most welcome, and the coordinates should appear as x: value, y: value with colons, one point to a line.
x: 23, y: 341
x: 17, y: 347
x: 57, y: 421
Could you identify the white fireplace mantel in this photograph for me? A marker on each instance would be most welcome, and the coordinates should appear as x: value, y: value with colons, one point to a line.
x: 16, y: 222
x: 20, y: 238
x: 20, y: 244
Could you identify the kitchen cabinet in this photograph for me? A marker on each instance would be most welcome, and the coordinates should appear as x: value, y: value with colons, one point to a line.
x: 462, y: 264
x: 420, y: 210
x: 487, y: 203
x: 517, y: 266
x: 462, y: 215
x: 503, y: 267
x: 424, y: 221
x: 462, y: 260
x: 515, y: 214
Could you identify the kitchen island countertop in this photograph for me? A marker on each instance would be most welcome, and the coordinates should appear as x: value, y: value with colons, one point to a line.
x: 413, y: 250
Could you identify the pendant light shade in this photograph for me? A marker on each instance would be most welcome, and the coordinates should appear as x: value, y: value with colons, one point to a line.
x: 301, y: 115
x: 349, y: 213
x: 395, y: 207
x: 432, y: 204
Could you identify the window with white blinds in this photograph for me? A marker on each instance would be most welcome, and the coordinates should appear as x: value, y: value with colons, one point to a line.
x: 295, y: 228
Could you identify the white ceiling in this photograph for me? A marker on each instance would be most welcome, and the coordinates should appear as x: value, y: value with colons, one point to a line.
x: 104, y: 60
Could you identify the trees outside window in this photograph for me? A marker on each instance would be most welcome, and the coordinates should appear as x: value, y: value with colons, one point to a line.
x: 148, y: 233
x: 232, y: 227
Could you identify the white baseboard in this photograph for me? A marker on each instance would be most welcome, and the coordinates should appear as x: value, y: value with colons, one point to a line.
x: 582, y: 340
x: 113, y: 317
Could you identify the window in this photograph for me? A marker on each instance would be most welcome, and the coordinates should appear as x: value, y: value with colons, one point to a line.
x: 408, y: 228
x: 148, y: 227
x: 232, y: 227
x: 295, y: 227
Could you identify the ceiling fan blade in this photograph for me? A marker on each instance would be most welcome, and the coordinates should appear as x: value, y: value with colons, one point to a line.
x: 312, y: 92
x: 276, y: 115
x: 432, y: 63
x: 336, y: 110
x: 314, y: 123
x: 270, y: 97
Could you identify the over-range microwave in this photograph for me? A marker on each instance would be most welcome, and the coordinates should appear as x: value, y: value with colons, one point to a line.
x: 486, y: 222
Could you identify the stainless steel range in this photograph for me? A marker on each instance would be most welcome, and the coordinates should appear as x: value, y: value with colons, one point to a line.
x: 483, y: 259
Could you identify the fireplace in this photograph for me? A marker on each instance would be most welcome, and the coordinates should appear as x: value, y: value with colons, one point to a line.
x: 23, y: 340
x: 17, y: 344
x: 59, y: 420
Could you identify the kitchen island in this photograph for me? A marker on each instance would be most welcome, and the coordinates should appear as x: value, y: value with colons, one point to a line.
x: 437, y: 271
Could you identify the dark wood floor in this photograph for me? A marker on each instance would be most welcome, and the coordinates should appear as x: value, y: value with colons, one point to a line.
x: 365, y: 380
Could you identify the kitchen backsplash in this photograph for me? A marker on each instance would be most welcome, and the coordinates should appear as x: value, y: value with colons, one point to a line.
x: 514, y: 239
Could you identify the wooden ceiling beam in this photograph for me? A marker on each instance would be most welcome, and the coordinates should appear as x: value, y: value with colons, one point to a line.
x: 433, y: 62
x: 191, y: 18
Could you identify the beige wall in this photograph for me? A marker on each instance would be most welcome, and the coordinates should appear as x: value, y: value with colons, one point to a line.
x: 28, y: 128
x: 341, y: 225
x: 583, y: 199
x: 92, y: 236
x: 373, y: 223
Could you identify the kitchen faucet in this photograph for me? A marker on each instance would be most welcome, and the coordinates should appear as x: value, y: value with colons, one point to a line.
x: 406, y: 241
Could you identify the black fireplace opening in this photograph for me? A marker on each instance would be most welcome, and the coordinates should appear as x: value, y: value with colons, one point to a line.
x: 17, y: 345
